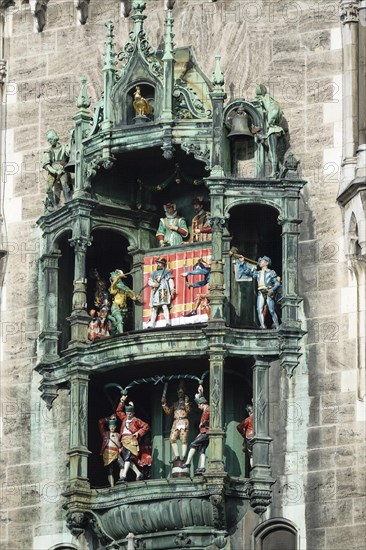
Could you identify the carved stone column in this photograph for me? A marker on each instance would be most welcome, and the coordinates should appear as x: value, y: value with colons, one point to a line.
x: 48, y: 338
x: 290, y: 329
x: 349, y: 21
x: 217, y: 277
x: 361, y: 150
x: 357, y: 265
x: 290, y: 240
x: 260, y: 476
x: 218, y: 97
x: 137, y: 273
x: 216, y: 463
x: 79, y: 318
x: 82, y: 125
x: 79, y: 452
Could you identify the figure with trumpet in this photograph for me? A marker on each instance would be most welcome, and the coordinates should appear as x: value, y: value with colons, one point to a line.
x: 267, y: 282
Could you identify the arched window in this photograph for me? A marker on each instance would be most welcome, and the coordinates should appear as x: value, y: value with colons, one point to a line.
x: 276, y: 534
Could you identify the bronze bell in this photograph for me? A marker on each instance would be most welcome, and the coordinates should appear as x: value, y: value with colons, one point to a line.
x: 70, y: 166
x: 239, y: 124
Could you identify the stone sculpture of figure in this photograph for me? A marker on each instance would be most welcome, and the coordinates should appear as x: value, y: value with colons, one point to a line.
x: 180, y: 410
x: 267, y: 285
x: 200, y: 443
x: 162, y: 291
x: 201, y: 300
x: 54, y: 161
x: 274, y: 130
x: 120, y: 293
x: 111, y: 446
x: 201, y: 229
x: 132, y: 429
x: 172, y: 229
x: 246, y: 429
x: 100, y: 326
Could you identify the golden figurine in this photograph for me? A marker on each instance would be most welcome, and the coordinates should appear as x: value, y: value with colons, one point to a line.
x: 140, y: 104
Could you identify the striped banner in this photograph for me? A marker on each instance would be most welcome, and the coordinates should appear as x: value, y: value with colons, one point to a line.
x: 177, y: 263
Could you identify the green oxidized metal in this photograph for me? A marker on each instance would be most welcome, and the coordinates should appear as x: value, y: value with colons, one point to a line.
x: 125, y: 165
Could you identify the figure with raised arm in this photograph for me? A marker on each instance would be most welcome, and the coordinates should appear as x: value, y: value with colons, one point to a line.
x: 267, y: 285
x: 120, y: 294
x: 202, y: 268
x: 180, y: 426
x: 200, y: 443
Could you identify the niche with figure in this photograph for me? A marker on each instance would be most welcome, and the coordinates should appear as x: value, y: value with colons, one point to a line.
x: 107, y: 254
x: 255, y: 233
x: 145, y: 390
x: 140, y: 104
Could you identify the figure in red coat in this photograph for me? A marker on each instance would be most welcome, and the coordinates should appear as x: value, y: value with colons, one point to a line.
x: 200, y: 443
x: 132, y: 429
x: 246, y: 429
x: 111, y: 446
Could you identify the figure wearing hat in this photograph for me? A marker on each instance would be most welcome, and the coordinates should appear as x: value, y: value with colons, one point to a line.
x: 120, y: 293
x: 246, y: 430
x: 200, y: 443
x: 267, y: 285
x: 172, y: 229
x: 132, y: 429
x: 162, y: 291
x: 180, y: 426
x: 111, y: 446
x: 201, y: 229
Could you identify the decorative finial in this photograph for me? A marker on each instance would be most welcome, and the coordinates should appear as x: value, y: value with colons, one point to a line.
x: 139, y: 6
x: 169, y: 44
x: 218, y: 77
x: 169, y: 4
x: 109, y: 56
x: 83, y: 100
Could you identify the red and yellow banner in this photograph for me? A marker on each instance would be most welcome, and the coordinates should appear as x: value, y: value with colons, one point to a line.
x: 182, y: 304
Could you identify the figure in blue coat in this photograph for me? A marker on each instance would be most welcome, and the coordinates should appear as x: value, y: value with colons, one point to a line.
x: 267, y: 285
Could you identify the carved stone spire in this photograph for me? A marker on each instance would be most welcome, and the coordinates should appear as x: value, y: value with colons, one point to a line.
x: 139, y: 6
x: 109, y: 54
x: 169, y: 45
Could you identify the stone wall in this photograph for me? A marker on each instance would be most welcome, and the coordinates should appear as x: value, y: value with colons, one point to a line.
x: 317, y: 423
